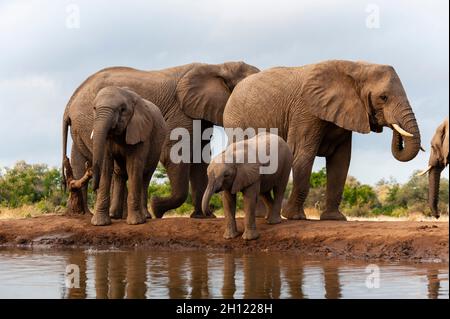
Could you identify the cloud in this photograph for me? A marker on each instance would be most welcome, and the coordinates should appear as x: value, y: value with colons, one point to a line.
x: 42, y: 61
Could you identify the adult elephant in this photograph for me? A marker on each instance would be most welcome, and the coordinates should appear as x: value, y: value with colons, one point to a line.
x: 183, y: 93
x: 315, y: 109
x: 436, y: 164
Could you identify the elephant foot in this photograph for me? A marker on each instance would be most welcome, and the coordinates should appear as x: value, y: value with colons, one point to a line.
x: 230, y: 233
x: 332, y: 216
x: 293, y: 212
x: 99, y: 219
x: 294, y: 215
x: 146, y: 213
x: 250, y: 234
x: 115, y: 214
x: 199, y: 215
x: 274, y: 220
x: 136, y: 218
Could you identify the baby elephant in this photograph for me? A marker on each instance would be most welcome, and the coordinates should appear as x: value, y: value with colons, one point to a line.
x: 129, y: 132
x: 255, y: 166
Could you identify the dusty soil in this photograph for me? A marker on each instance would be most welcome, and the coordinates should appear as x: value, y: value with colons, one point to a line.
x: 405, y: 240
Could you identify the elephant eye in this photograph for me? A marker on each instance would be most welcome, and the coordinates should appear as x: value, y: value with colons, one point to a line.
x: 384, y: 98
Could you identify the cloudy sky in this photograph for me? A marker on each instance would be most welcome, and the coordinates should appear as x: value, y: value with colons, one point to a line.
x: 46, y: 52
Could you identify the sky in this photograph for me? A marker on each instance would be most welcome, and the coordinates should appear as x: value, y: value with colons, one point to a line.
x: 47, y: 48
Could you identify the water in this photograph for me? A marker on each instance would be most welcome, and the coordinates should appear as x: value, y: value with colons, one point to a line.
x: 197, y: 274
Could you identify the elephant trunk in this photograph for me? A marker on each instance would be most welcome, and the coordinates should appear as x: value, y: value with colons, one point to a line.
x: 434, y: 179
x: 209, y: 192
x: 404, y: 146
x: 102, y: 125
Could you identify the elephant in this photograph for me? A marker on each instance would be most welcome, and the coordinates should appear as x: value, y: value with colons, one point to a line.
x: 315, y: 109
x: 129, y: 132
x: 437, y: 163
x: 183, y: 93
x: 229, y: 174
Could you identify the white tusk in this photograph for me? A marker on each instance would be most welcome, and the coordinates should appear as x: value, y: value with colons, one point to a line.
x: 402, y: 131
x: 92, y: 134
x: 425, y: 171
x: 422, y: 149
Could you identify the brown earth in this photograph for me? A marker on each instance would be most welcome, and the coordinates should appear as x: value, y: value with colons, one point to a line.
x: 405, y: 240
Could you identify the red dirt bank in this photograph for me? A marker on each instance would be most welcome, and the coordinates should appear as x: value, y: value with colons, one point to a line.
x: 414, y: 241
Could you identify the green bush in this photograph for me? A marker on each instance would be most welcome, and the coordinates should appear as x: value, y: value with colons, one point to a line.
x: 29, y: 184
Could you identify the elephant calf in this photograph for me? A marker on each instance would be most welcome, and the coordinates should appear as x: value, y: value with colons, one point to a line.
x: 235, y: 170
x: 129, y: 133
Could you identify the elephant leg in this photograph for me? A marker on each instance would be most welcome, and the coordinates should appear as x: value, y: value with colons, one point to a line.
x: 275, y: 213
x: 301, y: 169
x: 134, y: 201
x: 119, y: 181
x: 179, y: 180
x: 337, y: 169
x: 268, y: 203
x: 78, y: 163
x: 101, y: 213
x: 199, y: 180
x: 145, y: 184
x: 250, y: 198
x: 198, y: 176
x: 229, y: 208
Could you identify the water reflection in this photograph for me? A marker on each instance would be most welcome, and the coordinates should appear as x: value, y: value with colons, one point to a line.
x: 161, y: 274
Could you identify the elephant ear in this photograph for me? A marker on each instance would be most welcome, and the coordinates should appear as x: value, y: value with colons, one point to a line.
x: 246, y: 175
x: 440, y: 142
x: 331, y: 94
x: 445, y: 145
x: 203, y: 93
x: 140, y: 125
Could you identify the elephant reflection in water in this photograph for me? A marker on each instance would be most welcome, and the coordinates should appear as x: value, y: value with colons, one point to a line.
x: 229, y: 276
x: 434, y: 283
x: 261, y: 280
x: 125, y: 275
x: 199, y: 276
x: 176, y: 276
x: 79, y: 260
x: 264, y: 279
x: 120, y: 276
x: 331, y: 281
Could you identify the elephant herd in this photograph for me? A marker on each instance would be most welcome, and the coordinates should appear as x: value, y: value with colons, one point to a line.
x: 121, y: 121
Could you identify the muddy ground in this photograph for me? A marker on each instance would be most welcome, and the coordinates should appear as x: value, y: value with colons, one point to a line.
x: 405, y: 240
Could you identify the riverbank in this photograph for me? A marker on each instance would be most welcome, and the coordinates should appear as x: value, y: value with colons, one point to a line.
x: 370, y: 240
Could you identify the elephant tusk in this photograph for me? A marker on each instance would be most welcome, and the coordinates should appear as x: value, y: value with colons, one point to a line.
x: 425, y: 171
x: 422, y: 149
x: 402, y: 131
x: 92, y: 134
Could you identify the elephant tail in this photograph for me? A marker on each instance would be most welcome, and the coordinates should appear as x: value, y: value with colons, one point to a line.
x: 65, y: 129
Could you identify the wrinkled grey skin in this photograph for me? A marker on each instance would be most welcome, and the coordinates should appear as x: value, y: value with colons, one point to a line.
x: 245, y: 177
x: 182, y: 93
x: 316, y: 108
x: 128, y: 132
x: 436, y: 164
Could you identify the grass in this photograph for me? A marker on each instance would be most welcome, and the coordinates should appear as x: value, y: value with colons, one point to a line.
x: 26, y: 211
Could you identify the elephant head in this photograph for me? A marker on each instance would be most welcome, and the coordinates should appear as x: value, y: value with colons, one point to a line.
x: 119, y: 113
x: 228, y: 175
x: 204, y: 90
x: 436, y: 164
x: 363, y: 97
